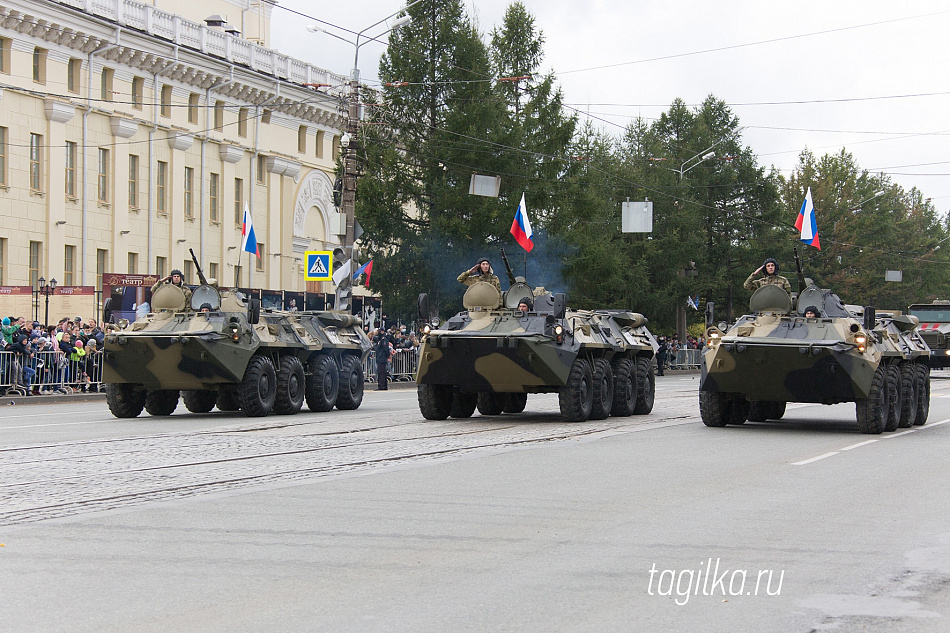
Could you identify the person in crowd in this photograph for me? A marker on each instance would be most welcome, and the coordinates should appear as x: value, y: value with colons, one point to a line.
x: 772, y: 277
x: 23, y: 350
x: 481, y: 271
x: 44, y: 359
x: 92, y: 367
x: 383, y: 351
x: 661, y: 354
x: 8, y: 329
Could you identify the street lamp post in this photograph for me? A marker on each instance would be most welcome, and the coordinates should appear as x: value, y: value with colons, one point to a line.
x: 46, y: 289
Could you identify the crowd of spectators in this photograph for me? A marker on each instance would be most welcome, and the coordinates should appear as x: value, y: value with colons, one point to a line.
x: 52, y: 358
x: 669, y: 346
x: 401, y: 341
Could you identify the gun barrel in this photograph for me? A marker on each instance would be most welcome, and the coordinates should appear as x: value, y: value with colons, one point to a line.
x: 201, y: 275
x: 511, y: 275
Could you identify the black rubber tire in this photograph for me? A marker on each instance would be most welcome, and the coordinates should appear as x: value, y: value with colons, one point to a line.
x: 291, y: 385
x: 350, y: 396
x: 871, y: 412
x: 759, y: 410
x: 646, y: 386
x: 908, y: 395
x: 603, y: 389
x: 258, y: 387
x: 576, y: 398
x: 323, y: 383
x: 515, y: 402
x: 777, y: 411
x: 490, y: 403
x: 435, y: 401
x: 893, y: 398
x: 199, y: 400
x: 463, y: 405
x: 923, y: 395
x: 161, y: 401
x: 228, y: 399
x: 125, y: 400
x: 714, y: 408
x: 739, y: 411
x: 625, y: 387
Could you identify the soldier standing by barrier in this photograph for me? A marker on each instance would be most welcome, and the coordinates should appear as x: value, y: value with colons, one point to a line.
x: 382, y: 361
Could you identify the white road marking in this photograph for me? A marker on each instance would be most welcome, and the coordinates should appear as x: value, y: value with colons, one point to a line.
x: 887, y: 437
x: 814, y: 459
x: 864, y: 443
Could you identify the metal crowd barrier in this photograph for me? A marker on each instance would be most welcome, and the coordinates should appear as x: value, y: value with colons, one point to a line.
x: 685, y: 359
x: 49, y: 372
x: 402, y: 367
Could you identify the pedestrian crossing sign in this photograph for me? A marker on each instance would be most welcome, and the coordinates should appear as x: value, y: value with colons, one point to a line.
x: 318, y: 266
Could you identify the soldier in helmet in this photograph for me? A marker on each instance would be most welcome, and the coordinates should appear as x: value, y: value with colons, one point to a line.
x: 176, y: 278
x: 482, y: 271
x: 525, y: 305
x: 771, y: 277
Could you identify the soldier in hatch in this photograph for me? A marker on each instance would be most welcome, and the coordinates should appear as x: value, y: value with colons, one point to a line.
x: 771, y: 277
x: 481, y: 271
x: 176, y: 278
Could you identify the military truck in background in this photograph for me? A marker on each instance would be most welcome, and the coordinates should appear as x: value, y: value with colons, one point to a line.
x: 935, y: 330
x: 492, y: 355
x: 776, y: 355
x: 232, y: 355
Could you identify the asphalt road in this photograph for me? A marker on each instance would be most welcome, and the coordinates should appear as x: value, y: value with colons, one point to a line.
x: 376, y: 520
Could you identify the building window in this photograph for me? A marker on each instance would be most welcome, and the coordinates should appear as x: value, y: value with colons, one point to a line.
x: 219, y: 116
x: 193, y: 107
x: 214, y: 199
x: 133, y: 263
x: 265, y: 116
x: 36, y: 162
x: 166, y: 103
x: 133, y: 181
x: 102, y: 258
x: 259, y: 260
x: 73, y: 68
x: 336, y: 148
x: 238, y: 201
x: 321, y: 135
x: 69, y: 265
x: 105, y: 89
x: 3, y: 155
x: 242, y: 122
x: 3, y: 258
x: 36, y: 250
x: 160, y: 266
x: 261, y: 168
x: 5, y: 54
x: 302, y: 139
x: 213, y: 270
x: 138, y: 92
x: 189, y: 187
x: 161, y: 185
x: 71, y: 169
x: 39, y: 65
x: 187, y: 271
x: 102, y: 182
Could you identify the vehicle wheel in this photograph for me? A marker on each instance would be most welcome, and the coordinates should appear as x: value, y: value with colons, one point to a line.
x: 161, y: 401
x: 576, y: 398
x: 435, y: 401
x: 739, y: 411
x: 228, y: 399
x: 603, y: 389
x: 323, y: 383
x: 923, y: 395
x: 258, y: 387
x: 490, y: 403
x: 778, y: 411
x: 291, y: 385
x: 908, y: 395
x: 515, y: 402
x: 350, y: 395
x: 463, y: 405
x: 646, y: 386
x: 199, y: 400
x: 625, y: 388
x: 893, y: 398
x: 714, y: 408
x: 759, y: 411
x: 872, y: 411
x: 125, y: 400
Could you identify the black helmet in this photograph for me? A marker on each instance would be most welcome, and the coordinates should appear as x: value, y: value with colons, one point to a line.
x: 205, y: 306
x: 482, y: 259
x: 527, y: 302
x: 770, y: 260
x: 177, y: 272
x: 811, y: 309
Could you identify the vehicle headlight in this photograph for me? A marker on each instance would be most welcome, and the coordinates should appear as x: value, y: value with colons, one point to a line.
x: 558, y: 330
x: 861, y: 342
x: 426, y: 328
x: 713, y: 336
x: 123, y: 323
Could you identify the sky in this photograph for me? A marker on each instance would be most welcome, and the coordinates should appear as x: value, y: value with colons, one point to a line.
x: 869, y: 77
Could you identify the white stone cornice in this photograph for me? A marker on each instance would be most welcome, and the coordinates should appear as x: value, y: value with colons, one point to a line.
x: 230, y: 153
x: 124, y: 128
x: 282, y: 166
x: 180, y: 140
x: 59, y: 111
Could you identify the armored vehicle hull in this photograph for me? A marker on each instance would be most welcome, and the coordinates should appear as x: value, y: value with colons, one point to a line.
x: 232, y: 356
x: 935, y: 330
x: 489, y: 357
x: 777, y: 355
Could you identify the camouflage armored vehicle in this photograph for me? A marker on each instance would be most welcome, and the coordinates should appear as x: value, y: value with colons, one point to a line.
x: 935, y: 330
x: 232, y: 355
x: 492, y: 355
x: 776, y: 355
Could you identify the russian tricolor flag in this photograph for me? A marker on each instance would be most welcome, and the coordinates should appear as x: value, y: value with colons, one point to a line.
x: 521, y: 227
x: 806, y: 222
x: 248, y: 238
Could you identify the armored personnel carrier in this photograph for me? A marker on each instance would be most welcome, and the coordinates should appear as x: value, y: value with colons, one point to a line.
x: 492, y: 355
x: 233, y: 355
x: 935, y: 330
x: 776, y: 355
